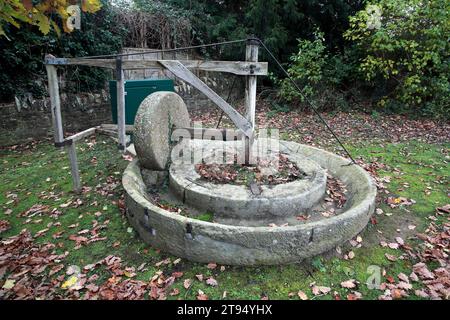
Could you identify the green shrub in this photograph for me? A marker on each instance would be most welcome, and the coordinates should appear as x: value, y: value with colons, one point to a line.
x: 319, y: 74
x: 406, y: 52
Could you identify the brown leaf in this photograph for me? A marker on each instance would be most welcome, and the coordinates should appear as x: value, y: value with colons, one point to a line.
x: 211, y: 281
x: 174, y: 292
x: 302, y: 295
x: 349, y: 284
x: 444, y: 209
x: 4, y: 225
x: 316, y: 290
x: 199, y: 277
x: 187, y: 283
x: 390, y: 257
x: 351, y: 255
x: 201, y: 295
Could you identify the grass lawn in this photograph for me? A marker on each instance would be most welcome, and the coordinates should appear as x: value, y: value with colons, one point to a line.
x: 40, y: 175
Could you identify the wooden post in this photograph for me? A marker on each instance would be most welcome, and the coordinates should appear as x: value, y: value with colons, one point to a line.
x: 120, y: 80
x: 251, y: 54
x: 55, y: 102
x: 74, y: 166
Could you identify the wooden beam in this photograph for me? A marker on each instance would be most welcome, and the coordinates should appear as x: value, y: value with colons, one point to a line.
x: 74, y: 167
x: 251, y: 54
x: 55, y: 103
x: 234, y: 67
x: 184, y: 74
x: 101, y: 63
x: 120, y: 81
x: 82, y: 134
x: 129, y: 128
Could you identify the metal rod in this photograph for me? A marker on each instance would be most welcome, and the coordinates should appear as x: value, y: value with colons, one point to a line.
x: 306, y: 99
x: 166, y: 50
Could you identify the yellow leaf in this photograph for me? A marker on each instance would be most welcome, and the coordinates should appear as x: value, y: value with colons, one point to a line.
x: 90, y: 6
x: 9, y: 284
x: 128, y: 274
x: 70, y: 282
x: 42, y: 22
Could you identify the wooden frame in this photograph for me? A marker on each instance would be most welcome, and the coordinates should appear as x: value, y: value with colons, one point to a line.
x: 241, y: 68
x: 250, y: 68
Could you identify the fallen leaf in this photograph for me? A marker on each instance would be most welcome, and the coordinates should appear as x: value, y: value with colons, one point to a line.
x: 70, y: 282
x: 400, y: 241
x: 9, y: 284
x: 349, y: 284
x: 211, y: 265
x: 201, y: 295
x: 403, y: 277
x: 211, y: 281
x: 316, y: 290
x: 390, y: 257
x: 199, y: 277
x: 187, y: 283
x: 302, y: 295
x: 174, y: 292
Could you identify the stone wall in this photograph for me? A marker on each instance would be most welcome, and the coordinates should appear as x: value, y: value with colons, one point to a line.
x: 28, y: 118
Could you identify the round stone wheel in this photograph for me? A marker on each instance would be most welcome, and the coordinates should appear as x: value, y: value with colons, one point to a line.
x: 156, y: 116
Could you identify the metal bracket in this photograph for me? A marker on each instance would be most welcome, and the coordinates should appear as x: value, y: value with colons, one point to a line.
x: 252, y: 40
x: 55, y: 61
x: 252, y: 68
x: 67, y: 142
x: 118, y: 69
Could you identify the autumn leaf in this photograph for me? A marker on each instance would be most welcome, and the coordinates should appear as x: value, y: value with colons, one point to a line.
x: 211, y: 281
x: 174, y: 292
x: 90, y: 6
x: 390, y: 257
x: 316, y: 290
x: 349, y: 284
x: 199, y: 277
x: 69, y: 282
x: 211, y: 265
x: 9, y: 284
x: 201, y: 295
x: 302, y: 295
x: 187, y: 283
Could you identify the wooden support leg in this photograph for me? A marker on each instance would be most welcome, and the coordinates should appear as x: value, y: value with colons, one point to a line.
x: 74, y: 167
x: 251, y: 54
x: 55, y: 103
x: 120, y: 105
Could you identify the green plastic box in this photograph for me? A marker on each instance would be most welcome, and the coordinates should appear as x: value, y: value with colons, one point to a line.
x: 135, y: 92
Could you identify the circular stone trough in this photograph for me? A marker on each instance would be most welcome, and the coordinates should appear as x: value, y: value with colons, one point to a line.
x: 238, y: 201
x: 203, y: 241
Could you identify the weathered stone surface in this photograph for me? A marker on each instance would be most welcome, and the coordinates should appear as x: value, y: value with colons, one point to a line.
x: 153, y: 126
x: 242, y: 245
x: 237, y: 201
x: 154, y: 178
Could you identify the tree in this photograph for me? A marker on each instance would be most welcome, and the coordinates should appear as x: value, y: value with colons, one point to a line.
x: 406, y: 50
x: 23, y: 71
x: 44, y: 14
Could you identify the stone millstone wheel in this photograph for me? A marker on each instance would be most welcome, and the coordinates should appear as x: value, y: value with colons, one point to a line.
x: 153, y: 126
